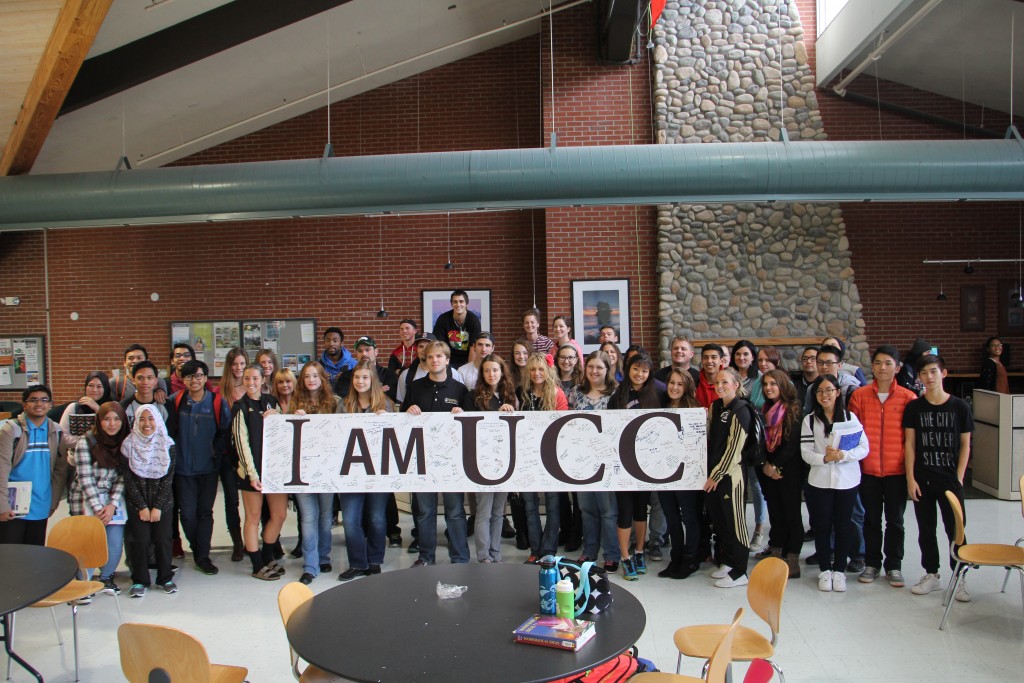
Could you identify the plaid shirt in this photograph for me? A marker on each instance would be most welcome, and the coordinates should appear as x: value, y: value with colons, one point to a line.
x: 94, y: 485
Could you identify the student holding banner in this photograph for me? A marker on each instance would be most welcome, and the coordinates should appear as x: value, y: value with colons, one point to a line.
x: 362, y: 514
x: 494, y: 392
x: 438, y: 392
x: 541, y: 391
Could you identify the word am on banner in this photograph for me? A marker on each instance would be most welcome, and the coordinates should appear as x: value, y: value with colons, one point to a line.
x: 600, y: 450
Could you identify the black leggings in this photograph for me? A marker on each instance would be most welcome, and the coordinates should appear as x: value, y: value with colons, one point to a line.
x: 632, y: 507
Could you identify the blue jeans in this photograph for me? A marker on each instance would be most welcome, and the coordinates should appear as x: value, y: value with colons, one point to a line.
x: 756, y: 497
x: 490, y: 511
x: 600, y: 512
x: 316, y: 512
x: 542, y: 542
x: 454, y: 517
x: 364, y: 546
x: 115, y: 544
x: 657, y: 524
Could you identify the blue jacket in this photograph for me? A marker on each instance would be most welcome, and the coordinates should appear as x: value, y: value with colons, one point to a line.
x: 200, y: 439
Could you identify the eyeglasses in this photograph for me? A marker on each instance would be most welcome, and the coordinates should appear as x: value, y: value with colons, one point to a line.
x: 564, y: 358
x: 38, y: 400
x: 198, y: 377
x: 808, y: 359
x: 828, y: 363
x: 186, y: 354
x: 825, y: 392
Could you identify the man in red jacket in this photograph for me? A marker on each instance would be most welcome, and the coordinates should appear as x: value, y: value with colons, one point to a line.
x: 710, y: 363
x: 883, y: 486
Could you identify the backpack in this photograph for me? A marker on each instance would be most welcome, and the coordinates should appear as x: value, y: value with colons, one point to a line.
x: 616, y: 670
x: 755, y: 448
x: 218, y: 401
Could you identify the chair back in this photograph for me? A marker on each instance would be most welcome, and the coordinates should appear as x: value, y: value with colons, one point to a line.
x: 147, y: 647
x: 764, y: 592
x: 1020, y: 490
x: 291, y: 596
x: 83, y: 537
x: 721, y: 658
x: 958, y: 515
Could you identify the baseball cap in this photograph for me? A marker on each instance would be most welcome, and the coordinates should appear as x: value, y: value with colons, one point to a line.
x: 425, y: 336
x: 365, y: 341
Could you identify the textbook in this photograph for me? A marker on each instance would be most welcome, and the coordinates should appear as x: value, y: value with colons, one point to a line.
x: 558, y: 632
x: 19, y: 497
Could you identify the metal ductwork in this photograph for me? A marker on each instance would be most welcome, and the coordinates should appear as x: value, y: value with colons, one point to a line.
x: 521, y: 179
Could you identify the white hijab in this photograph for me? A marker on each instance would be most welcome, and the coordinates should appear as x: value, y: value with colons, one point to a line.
x: 148, y: 457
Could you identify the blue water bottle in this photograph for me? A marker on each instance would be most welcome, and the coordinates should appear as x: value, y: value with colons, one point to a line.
x: 548, y: 579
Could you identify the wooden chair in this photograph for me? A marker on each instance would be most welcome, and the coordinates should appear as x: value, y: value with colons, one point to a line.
x: 170, y: 655
x: 973, y: 555
x: 718, y: 666
x: 290, y: 597
x: 84, y: 538
x: 1020, y: 489
x: 764, y: 593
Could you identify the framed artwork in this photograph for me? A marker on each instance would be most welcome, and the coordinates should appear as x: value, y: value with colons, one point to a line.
x: 438, y: 301
x: 596, y: 303
x: 972, y: 308
x: 1011, y: 314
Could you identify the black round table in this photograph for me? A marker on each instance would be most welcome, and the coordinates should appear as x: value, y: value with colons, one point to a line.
x: 393, y: 627
x: 30, y: 573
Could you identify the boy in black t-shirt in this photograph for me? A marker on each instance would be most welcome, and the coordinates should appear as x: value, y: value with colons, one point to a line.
x: 937, y: 445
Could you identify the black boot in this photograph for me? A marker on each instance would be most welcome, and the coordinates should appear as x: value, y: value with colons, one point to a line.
x: 237, y: 549
x: 671, y: 570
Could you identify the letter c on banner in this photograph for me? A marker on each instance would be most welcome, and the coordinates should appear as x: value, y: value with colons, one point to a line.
x: 627, y: 448
x: 549, y: 449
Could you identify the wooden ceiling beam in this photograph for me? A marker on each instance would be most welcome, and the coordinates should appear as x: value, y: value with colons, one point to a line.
x: 73, y: 33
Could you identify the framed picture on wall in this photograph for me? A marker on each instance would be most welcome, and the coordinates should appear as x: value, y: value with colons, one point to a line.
x: 596, y: 303
x: 972, y: 308
x: 438, y: 301
x: 1011, y: 314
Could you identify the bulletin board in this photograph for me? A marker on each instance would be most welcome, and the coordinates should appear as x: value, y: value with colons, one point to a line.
x: 292, y: 339
x: 22, y: 361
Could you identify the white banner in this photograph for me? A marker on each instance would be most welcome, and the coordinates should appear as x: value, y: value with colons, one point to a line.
x: 606, y: 450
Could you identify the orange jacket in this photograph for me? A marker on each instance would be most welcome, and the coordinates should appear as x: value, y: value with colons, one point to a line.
x: 883, y: 425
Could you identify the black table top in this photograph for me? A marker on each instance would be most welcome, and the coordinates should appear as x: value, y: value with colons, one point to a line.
x: 30, y: 573
x: 393, y: 627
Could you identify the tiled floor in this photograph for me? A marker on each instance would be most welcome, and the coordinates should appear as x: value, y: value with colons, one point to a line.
x: 871, y: 633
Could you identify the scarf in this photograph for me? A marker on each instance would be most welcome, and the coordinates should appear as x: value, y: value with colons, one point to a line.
x: 105, y: 448
x: 81, y: 409
x: 773, y: 427
x: 149, y: 457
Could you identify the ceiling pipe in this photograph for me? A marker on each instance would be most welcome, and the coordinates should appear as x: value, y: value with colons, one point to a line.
x: 876, y: 54
x: 913, y: 171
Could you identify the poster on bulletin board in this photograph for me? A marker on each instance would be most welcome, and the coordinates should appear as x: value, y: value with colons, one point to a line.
x: 288, y: 338
x: 22, y: 361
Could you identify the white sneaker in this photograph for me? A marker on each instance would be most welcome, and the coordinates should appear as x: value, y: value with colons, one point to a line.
x: 721, y: 572
x: 961, y: 594
x: 825, y: 581
x: 929, y: 583
x: 839, y: 582
x: 758, y: 542
x: 729, y: 582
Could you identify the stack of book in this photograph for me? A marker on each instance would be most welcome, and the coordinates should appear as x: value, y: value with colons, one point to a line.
x: 558, y: 632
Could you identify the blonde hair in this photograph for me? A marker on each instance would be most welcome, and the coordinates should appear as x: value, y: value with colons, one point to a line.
x: 549, y: 392
x: 284, y: 373
x: 732, y: 372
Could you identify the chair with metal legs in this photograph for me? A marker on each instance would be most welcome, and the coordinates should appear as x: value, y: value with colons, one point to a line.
x: 967, y: 556
x: 1020, y: 489
x: 718, y: 666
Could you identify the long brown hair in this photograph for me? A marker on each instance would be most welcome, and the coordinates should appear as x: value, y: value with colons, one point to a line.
x: 227, y: 380
x: 506, y: 389
x: 325, y: 403
x: 609, y: 373
x: 577, y: 370
x: 689, y: 397
x: 378, y: 399
x: 788, y: 398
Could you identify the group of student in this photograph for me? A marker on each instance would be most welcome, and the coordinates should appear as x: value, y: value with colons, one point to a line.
x: 146, y: 455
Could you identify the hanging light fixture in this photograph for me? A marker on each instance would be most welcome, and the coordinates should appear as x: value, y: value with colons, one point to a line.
x: 448, y: 264
x: 968, y: 269
x: 382, y: 313
x: 942, y: 291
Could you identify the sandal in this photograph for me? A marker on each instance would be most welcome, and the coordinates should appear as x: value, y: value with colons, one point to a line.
x: 266, y: 573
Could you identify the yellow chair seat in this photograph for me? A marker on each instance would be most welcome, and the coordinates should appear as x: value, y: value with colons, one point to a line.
x: 314, y: 674
x: 662, y: 677
x: 225, y: 673
x: 75, y: 590
x: 991, y: 554
x: 700, y: 641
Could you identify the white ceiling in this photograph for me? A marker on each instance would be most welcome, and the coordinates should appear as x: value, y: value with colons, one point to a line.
x: 272, y: 78
x: 961, y: 50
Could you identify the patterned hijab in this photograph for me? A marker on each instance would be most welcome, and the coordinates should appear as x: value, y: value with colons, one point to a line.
x: 148, y: 457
